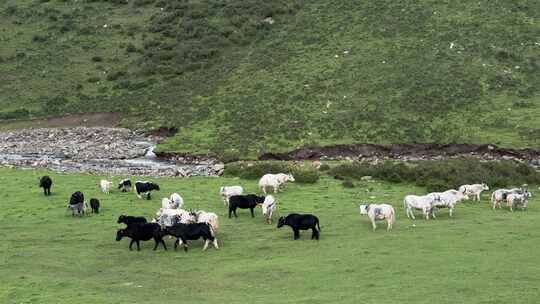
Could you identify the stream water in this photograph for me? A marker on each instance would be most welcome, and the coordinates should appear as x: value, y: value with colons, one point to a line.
x: 122, y: 154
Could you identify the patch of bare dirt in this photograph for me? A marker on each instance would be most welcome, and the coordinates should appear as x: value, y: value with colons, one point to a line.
x: 406, y: 152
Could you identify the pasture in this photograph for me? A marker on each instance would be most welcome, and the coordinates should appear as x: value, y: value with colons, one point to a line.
x: 47, y: 256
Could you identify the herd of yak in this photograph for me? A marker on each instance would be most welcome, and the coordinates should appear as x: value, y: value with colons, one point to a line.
x: 187, y: 226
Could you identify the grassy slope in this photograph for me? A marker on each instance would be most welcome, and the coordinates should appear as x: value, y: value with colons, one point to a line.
x: 325, y: 72
x: 480, y: 256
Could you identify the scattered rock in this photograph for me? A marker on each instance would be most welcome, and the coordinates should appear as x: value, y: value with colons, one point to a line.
x: 372, y: 153
x: 98, y: 150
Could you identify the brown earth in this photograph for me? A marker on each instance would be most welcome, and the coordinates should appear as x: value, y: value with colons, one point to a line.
x: 397, y: 151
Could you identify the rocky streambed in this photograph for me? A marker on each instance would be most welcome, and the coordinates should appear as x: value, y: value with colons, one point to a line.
x: 118, y: 151
x: 96, y: 150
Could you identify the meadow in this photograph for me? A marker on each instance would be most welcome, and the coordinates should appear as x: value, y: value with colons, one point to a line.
x: 48, y: 256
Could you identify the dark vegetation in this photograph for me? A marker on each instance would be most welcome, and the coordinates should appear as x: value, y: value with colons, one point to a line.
x: 348, y: 184
x: 325, y: 72
x: 441, y: 175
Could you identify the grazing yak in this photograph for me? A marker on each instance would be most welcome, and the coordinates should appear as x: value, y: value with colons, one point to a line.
x: 105, y: 186
x: 167, y: 203
x: 227, y: 192
x: 301, y: 222
x: 249, y: 201
x: 141, y: 232
x: 475, y: 190
x: 145, y: 187
x: 447, y: 199
x: 268, y: 207
x: 130, y: 220
x: 500, y: 195
x: 274, y: 181
x: 521, y: 200
x: 169, y: 217
x: 207, y: 217
x: 424, y: 203
x: 45, y: 182
x: 176, y: 200
x: 125, y: 185
x: 190, y: 232
x: 94, y: 204
x: 378, y: 212
x: 76, y: 204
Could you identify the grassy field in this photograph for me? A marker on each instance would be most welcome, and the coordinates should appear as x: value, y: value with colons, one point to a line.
x: 479, y: 256
x: 325, y: 72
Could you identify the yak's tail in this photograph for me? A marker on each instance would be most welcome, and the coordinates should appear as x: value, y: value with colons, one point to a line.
x: 393, y: 215
x: 319, y: 227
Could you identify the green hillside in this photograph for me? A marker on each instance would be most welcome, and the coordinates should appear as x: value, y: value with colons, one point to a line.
x: 324, y: 72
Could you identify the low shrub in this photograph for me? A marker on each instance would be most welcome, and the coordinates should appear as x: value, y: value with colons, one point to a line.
x: 39, y: 38
x: 348, y: 184
x: 11, y: 10
x: 522, y: 104
x: 130, y: 48
x: 132, y: 85
x: 443, y: 175
x: 305, y: 175
x: 436, y: 185
x: 15, y: 114
x: 115, y: 75
x: 229, y: 156
x: 324, y: 167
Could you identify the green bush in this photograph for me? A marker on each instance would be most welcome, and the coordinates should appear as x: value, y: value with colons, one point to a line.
x: 11, y: 10
x: 436, y: 185
x: 229, y: 156
x: 53, y: 105
x: 115, y: 75
x: 130, y: 48
x: 443, y: 175
x: 305, y: 175
x: 39, y: 38
x: 348, y: 184
x: 15, y: 114
x: 324, y: 167
x: 138, y: 3
x: 202, y: 30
